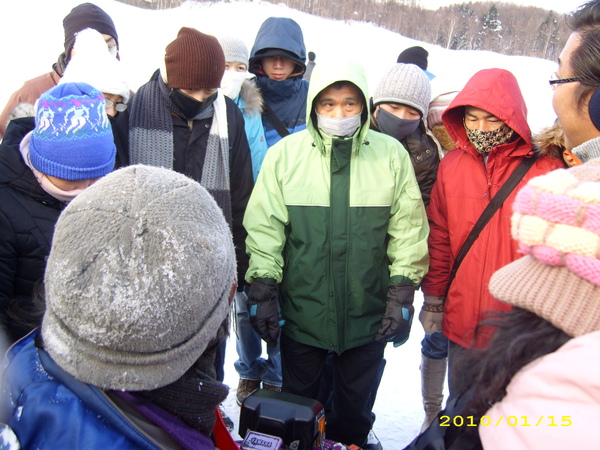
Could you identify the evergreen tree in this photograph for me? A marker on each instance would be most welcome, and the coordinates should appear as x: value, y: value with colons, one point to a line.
x: 461, y: 39
x: 491, y: 26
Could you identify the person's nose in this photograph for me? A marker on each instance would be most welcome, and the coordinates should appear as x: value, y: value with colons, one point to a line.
x: 339, y: 113
x: 278, y: 62
x: 404, y: 115
x: 483, y: 125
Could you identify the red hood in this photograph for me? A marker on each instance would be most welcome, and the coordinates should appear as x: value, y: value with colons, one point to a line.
x: 497, y: 92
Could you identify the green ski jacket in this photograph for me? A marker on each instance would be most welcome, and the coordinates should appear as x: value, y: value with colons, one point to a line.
x: 335, y: 221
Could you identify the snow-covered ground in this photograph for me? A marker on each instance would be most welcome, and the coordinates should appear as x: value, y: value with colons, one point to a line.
x: 32, y: 37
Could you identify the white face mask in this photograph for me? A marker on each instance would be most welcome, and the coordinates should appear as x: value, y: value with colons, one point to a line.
x: 339, y: 127
x: 231, y: 83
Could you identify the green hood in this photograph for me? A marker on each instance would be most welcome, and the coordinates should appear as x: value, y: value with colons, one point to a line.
x: 324, y: 75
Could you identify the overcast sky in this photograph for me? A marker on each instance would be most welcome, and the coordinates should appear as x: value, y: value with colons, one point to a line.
x: 561, y: 6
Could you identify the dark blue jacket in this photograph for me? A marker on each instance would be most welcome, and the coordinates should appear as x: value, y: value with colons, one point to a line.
x: 27, y: 218
x: 287, y: 99
x: 47, y: 408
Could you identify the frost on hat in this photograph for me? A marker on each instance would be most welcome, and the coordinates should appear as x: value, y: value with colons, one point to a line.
x: 138, y: 279
x: 93, y: 64
x: 556, y: 221
x: 405, y: 84
x: 73, y: 138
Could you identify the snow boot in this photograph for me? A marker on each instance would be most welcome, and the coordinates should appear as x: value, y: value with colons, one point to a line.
x: 373, y: 442
x: 433, y: 374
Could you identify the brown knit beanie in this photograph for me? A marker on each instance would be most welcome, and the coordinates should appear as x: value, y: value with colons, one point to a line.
x: 556, y: 221
x: 194, y: 61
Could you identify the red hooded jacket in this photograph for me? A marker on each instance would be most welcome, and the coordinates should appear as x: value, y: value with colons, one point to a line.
x: 463, y: 189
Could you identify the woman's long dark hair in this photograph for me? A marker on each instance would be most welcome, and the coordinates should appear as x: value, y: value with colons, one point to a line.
x: 520, y: 337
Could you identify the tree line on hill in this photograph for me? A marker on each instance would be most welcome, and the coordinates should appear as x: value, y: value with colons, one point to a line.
x: 494, y: 26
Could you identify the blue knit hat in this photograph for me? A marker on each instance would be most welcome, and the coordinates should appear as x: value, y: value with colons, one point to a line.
x: 72, y: 139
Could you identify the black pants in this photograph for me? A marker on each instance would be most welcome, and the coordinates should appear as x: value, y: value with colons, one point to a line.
x: 354, y: 373
x: 326, y: 388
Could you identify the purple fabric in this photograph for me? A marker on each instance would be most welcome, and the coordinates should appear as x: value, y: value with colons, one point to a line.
x: 185, y: 436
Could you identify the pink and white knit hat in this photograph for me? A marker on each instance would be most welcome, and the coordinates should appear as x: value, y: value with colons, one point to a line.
x: 556, y: 220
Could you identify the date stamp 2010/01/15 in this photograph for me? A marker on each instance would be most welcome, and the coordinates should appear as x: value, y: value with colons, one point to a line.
x: 511, y: 421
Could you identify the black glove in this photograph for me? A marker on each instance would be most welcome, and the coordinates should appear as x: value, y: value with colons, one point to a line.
x: 398, y: 316
x: 264, y: 314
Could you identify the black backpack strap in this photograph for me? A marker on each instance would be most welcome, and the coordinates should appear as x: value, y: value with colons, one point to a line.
x: 274, y: 120
x: 490, y: 210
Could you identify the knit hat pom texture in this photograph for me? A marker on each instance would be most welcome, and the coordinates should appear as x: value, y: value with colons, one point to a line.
x: 92, y: 63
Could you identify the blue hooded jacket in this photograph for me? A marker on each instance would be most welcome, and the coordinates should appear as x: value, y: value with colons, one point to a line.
x: 281, y: 36
x: 47, y: 408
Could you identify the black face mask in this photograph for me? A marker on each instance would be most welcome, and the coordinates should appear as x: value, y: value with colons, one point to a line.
x: 394, y: 126
x: 189, y: 106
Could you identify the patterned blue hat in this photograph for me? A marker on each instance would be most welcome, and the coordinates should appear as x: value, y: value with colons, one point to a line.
x: 72, y: 139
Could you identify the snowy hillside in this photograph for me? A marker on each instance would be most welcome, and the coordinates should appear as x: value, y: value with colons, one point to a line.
x: 32, y: 43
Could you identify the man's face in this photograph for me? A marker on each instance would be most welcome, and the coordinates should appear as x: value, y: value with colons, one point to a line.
x: 277, y: 68
x: 400, y: 111
x: 576, y: 124
x: 339, y: 102
x: 112, y: 101
x: 479, y: 119
x: 199, y: 94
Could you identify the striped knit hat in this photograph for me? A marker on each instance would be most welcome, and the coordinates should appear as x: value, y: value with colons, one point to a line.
x: 556, y: 221
x: 73, y: 138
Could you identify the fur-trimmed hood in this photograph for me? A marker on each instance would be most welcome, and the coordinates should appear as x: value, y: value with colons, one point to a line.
x: 252, y: 97
x: 550, y: 141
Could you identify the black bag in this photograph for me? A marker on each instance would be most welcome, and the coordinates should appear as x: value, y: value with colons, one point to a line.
x: 450, y: 430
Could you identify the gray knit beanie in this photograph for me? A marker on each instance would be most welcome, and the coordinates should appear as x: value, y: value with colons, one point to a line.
x: 405, y: 84
x: 138, y: 279
x: 234, y: 48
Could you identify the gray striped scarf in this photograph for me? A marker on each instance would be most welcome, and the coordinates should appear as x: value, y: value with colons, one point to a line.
x: 151, y: 138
